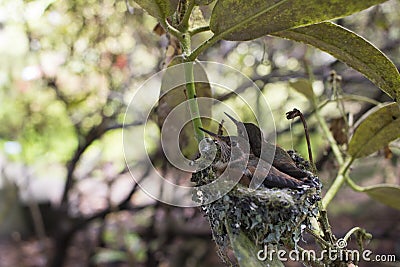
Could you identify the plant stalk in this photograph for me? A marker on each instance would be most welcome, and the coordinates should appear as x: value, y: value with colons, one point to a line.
x: 193, y: 105
x: 185, y: 40
x: 340, y: 179
x: 199, y: 30
x: 329, y: 136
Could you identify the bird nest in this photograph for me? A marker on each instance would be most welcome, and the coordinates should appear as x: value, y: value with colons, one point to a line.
x: 268, y: 216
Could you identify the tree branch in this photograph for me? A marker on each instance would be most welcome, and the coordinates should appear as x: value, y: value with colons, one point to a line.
x: 94, y: 134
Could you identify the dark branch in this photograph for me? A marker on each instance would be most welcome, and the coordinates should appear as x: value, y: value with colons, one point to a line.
x: 123, y: 205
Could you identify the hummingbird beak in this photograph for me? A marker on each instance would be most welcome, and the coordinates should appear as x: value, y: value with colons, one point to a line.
x: 241, y: 129
x: 236, y: 122
x: 216, y: 136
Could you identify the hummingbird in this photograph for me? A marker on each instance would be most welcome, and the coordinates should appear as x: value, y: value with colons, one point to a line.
x: 281, y: 160
x: 269, y: 175
x: 226, y: 143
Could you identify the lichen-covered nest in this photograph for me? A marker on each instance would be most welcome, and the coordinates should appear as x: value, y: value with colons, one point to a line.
x: 267, y: 215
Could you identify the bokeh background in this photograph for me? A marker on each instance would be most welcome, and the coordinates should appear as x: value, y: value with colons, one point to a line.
x: 68, y: 71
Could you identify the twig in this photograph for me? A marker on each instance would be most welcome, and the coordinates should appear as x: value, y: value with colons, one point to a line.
x: 124, y: 126
x: 317, y: 237
x: 123, y: 205
x: 329, y: 136
x: 324, y: 222
x: 184, y: 23
x: 172, y: 30
x: 199, y: 30
x: 297, y: 113
x: 94, y: 134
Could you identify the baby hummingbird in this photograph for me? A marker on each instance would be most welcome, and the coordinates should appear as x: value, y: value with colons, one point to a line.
x: 255, y: 167
x: 281, y: 160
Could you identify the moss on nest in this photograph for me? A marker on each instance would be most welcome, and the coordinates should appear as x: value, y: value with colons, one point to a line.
x: 268, y: 216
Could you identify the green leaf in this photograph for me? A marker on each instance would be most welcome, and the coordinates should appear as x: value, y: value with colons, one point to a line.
x: 246, y: 251
x: 304, y: 87
x: 237, y: 20
x: 386, y: 194
x: 351, y: 49
x: 159, y: 9
x: 375, y: 131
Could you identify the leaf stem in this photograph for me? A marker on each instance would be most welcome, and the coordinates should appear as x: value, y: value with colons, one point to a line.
x: 207, y: 43
x: 359, y: 98
x: 350, y: 97
x: 192, y: 102
x: 199, y: 30
x: 190, y: 85
x: 182, y: 34
x: 172, y: 30
x: 329, y: 136
x: 353, y: 185
x: 344, y: 165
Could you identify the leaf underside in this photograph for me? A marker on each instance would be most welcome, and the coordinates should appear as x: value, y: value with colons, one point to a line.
x: 386, y: 194
x: 375, y: 131
x: 351, y: 49
x: 159, y: 9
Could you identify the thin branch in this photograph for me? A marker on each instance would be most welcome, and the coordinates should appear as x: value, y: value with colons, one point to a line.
x: 123, y: 205
x: 172, y: 30
x: 199, y: 30
x: 209, y: 42
x: 318, y: 238
x: 329, y: 136
x: 324, y: 223
x: 297, y: 113
x: 125, y: 125
x: 94, y: 134
x: 52, y: 84
x: 184, y: 23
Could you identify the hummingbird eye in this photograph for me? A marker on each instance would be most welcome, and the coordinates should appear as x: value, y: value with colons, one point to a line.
x: 209, y: 140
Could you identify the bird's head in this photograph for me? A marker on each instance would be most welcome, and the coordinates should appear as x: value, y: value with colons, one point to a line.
x: 224, y: 143
x: 247, y: 130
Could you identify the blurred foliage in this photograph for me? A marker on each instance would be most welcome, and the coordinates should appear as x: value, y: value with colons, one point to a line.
x: 74, y: 69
